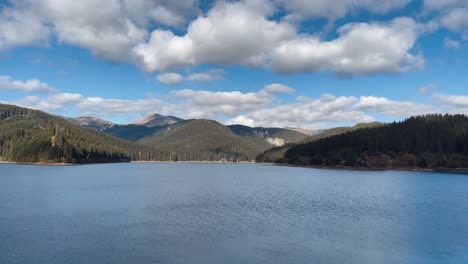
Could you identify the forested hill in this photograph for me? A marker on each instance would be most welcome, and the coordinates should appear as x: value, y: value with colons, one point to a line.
x: 28, y: 135
x: 276, y: 154
x: 201, y: 139
x: 432, y: 141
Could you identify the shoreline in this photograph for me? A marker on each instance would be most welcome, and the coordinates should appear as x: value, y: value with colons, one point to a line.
x: 138, y: 161
x: 40, y: 163
x: 194, y: 161
x: 347, y: 168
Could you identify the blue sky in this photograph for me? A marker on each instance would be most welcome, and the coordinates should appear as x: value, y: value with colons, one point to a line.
x: 297, y: 63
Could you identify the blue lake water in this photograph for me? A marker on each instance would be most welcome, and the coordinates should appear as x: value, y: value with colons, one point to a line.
x: 229, y: 213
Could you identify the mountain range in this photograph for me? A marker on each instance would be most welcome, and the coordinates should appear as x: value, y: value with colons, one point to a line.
x: 156, y: 126
x: 431, y: 141
x: 41, y: 137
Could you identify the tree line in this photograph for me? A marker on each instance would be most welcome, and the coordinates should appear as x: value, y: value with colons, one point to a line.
x: 425, y: 141
x: 28, y: 135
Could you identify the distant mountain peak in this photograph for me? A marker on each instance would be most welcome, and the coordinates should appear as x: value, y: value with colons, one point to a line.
x: 155, y: 119
x: 91, y: 119
x: 154, y: 115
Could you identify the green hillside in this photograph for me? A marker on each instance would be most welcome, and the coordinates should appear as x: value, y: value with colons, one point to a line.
x: 432, y: 141
x: 277, y: 153
x: 28, y: 135
x: 202, y: 140
x: 339, y: 130
x: 274, y: 154
x: 131, y: 132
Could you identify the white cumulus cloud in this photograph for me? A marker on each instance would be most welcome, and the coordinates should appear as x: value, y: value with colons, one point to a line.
x: 32, y: 85
x: 210, y: 104
x: 65, y: 103
x: 108, y: 28
x: 21, y: 27
x: 451, y: 14
x: 388, y: 107
x: 244, y: 32
x: 452, y: 100
x: 170, y: 78
x: 361, y: 48
x: 235, y: 33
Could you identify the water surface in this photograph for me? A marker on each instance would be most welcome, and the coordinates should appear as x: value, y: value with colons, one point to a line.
x: 229, y: 213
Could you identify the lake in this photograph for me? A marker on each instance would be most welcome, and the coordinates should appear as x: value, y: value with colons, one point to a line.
x: 229, y: 213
